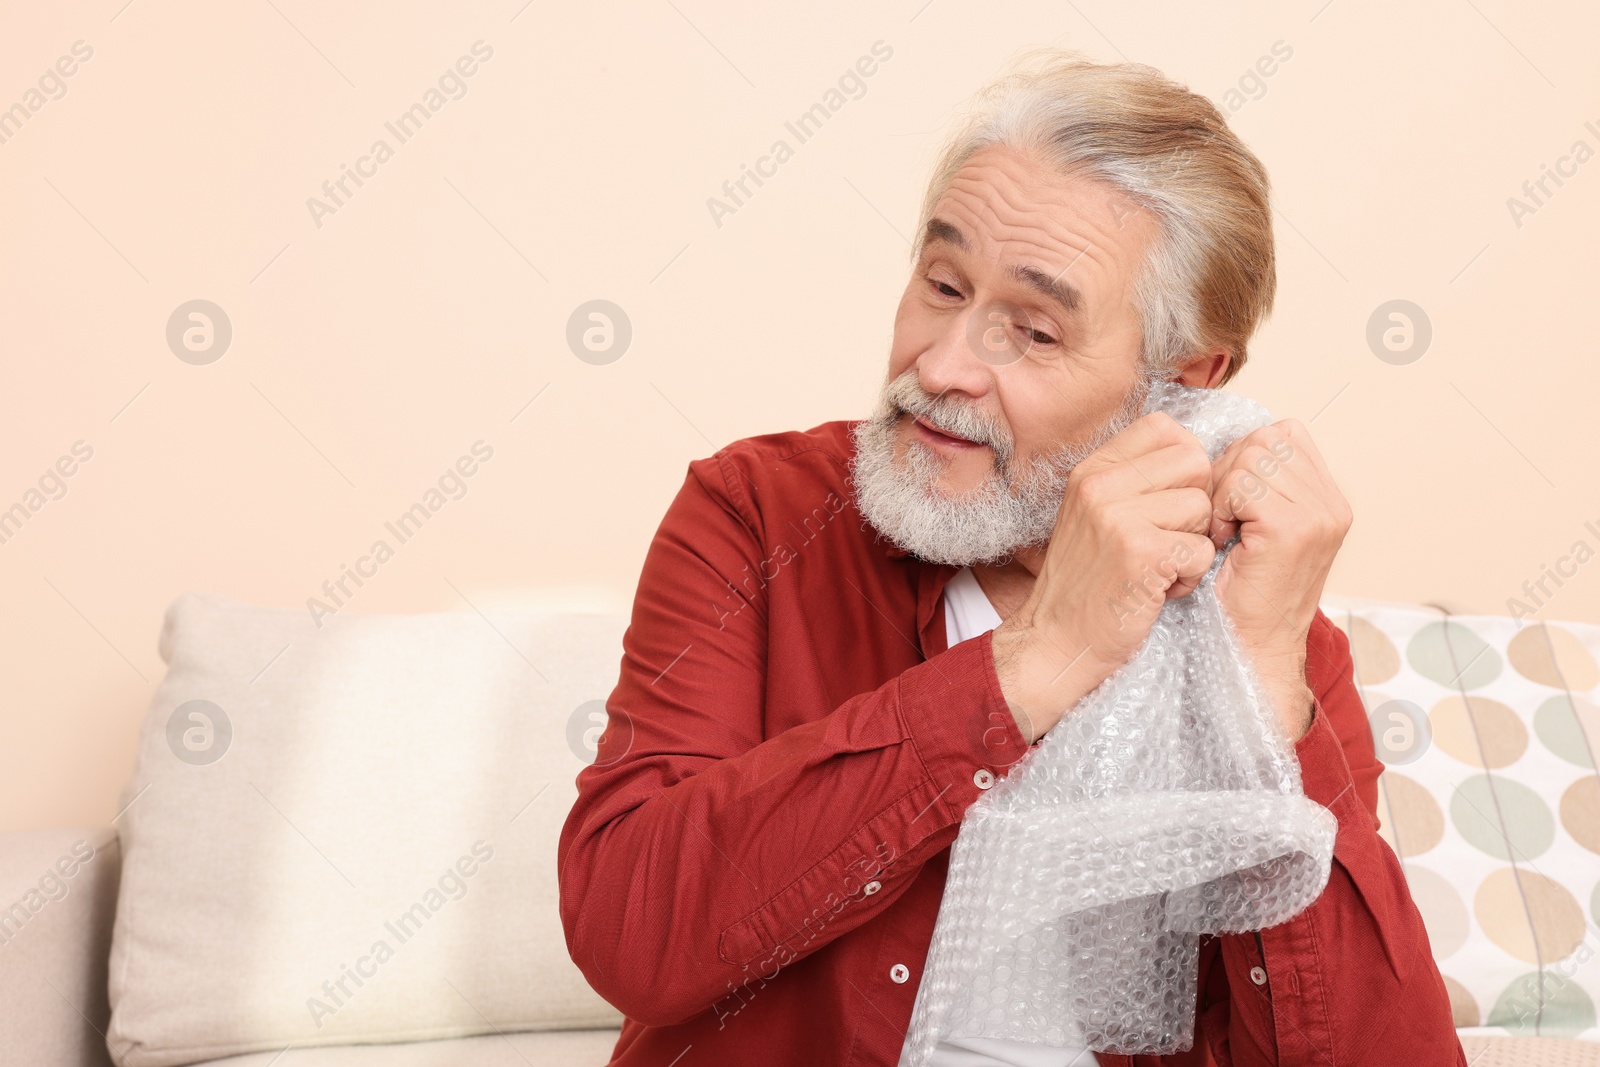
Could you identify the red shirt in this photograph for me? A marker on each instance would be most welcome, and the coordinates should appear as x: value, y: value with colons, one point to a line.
x: 755, y: 861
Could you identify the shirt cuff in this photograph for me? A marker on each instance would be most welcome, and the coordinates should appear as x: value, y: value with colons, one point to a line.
x: 957, y: 717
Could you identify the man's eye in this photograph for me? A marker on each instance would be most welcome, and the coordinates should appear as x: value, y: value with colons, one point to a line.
x: 1040, y: 338
x: 945, y: 290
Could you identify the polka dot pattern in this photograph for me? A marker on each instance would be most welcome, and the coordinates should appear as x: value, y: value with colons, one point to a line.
x: 1415, y: 818
x: 1528, y: 915
x: 1478, y: 731
x: 1442, y: 910
x: 1453, y: 656
x: 1503, y: 817
x: 1562, y: 1007
x: 1377, y: 660
x: 1568, y: 726
x: 1492, y: 802
x: 1580, y: 813
x: 1553, y: 656
x: 1463, y: 1008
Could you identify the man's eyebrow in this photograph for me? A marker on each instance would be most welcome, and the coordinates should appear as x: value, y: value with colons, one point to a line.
x: 940, y: 230
x: 1063, y: 293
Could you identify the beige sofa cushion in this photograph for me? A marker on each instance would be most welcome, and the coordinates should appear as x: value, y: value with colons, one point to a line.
x: 348, y: 833
x: 573, y: 1048
x: 592, y: 1048
x: 1495, y: 1049
x: 58, y: 893
x: 1489, y: 730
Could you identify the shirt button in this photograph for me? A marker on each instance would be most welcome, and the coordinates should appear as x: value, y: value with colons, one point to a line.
x: 983, y: 779
x: 1258, y: 976
x: 871, y: 888
x: 899, y: 974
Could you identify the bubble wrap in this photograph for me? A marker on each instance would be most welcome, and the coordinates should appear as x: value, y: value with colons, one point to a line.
x: 1165, y: 805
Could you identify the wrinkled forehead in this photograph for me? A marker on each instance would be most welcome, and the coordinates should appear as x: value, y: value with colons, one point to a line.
x: 1004, y: 207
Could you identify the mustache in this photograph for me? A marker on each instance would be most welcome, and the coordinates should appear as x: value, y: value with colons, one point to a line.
x: 904, y: 396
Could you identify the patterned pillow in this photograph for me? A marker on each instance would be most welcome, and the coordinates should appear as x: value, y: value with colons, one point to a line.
x: 1488, y: 729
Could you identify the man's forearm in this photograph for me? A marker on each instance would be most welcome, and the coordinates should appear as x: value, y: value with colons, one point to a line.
x: 793, y: 842
x: 1294, y: 702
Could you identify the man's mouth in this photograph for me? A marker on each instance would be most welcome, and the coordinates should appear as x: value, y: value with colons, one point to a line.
x: 941, y: 438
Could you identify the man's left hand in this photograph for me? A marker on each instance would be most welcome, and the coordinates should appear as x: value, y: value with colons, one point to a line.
x: 1272, y: 488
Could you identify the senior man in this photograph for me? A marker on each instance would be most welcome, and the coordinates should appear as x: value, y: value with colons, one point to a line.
x: 842, y: 636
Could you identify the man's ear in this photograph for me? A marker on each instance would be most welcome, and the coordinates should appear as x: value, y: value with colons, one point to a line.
x: 1205, y: 370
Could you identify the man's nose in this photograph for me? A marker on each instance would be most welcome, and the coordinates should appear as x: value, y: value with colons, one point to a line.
x: 956, y: 361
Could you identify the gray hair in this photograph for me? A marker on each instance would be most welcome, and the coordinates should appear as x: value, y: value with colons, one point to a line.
x: 1208, y: 278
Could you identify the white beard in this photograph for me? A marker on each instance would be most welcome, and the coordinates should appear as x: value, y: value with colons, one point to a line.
x: 1010, y: 509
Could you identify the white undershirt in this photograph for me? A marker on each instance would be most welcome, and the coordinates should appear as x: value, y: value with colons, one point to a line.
x: 967, y: 610
x: 968, y: 614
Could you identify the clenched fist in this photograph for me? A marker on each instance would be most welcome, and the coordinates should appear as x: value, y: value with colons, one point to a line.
x: 1142, y: 519
x: 1273, y: 490
x: 1132, y: 532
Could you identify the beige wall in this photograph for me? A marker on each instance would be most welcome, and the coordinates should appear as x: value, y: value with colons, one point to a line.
x: 371, y: 351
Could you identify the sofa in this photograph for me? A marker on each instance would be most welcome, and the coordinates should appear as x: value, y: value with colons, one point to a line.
x: 337, y: 847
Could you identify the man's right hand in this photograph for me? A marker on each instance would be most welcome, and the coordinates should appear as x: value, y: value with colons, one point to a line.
x: 1130, y: 535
